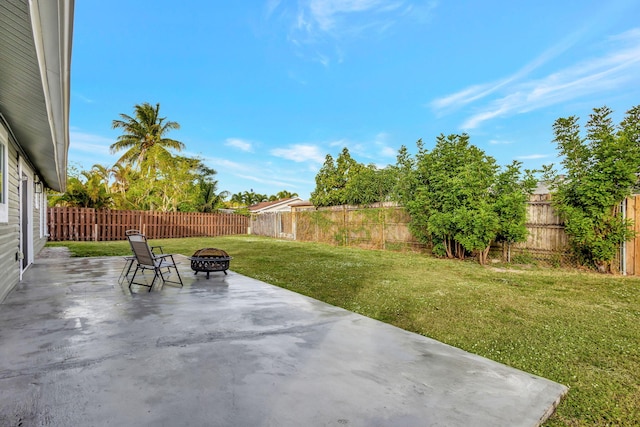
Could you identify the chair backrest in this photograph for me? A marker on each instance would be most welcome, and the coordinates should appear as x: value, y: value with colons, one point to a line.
x: 131, y: 232
x: 141, y: 249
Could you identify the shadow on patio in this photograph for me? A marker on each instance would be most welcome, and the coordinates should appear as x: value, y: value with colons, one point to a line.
x: 80, y: 349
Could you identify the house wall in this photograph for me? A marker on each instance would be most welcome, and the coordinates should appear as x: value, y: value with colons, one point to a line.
x: 9, y: 231
x: 10, y: 265
x: 38, y: 208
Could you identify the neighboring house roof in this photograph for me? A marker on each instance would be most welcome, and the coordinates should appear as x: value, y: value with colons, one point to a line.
x: 301, y: 204
x: 277, y: 206
x: 35, y: 61
x: 542, y: 188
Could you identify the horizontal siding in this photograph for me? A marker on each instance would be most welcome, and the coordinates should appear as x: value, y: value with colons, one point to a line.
x: 9, y: 234
x: 8, y: 265
x: 38, y: 242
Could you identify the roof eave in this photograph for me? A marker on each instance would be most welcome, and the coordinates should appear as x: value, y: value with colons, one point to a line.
x: 52, y: 25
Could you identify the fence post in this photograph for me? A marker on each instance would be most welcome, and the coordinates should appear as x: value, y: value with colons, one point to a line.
x: 383, y: 219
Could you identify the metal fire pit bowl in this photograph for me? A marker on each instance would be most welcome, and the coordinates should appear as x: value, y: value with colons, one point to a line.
x: 210, y: 259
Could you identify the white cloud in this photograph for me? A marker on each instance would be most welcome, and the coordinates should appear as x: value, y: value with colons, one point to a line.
x: 228, y: 164
x: 89, y: 143
x: 271, y: 6
x: 339, y: 143
x: 533, y: 156
x: 326, y: 12
x: 476, y: 92
x: 300, y: 153
x: 618, y: 67
x: 268, y: 181
x: 318, y: 27
x: 499, y: 109
x: 82, y: 98
x: 240, y: 144
x: 370, y: 150
x: 383, y: 148
x: 388, y: 152
x: 499, y: 142
x: 462, y: 97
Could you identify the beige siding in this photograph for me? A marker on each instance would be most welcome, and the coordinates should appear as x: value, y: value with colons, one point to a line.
x: 9, y: 236
x: 39, y: 238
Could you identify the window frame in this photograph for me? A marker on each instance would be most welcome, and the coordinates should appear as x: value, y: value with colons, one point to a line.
x: 4, y: 175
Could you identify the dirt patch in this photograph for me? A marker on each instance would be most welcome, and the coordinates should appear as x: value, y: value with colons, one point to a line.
x: 505, y: 270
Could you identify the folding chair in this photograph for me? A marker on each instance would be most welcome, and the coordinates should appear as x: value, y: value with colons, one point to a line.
x: 129, y: 259
x: 145, y: 259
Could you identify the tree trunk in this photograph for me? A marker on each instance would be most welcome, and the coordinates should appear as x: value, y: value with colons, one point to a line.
x: 483, y: 255
x: 459, y: 251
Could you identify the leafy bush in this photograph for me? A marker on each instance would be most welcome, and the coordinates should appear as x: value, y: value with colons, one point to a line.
x: 601, y: 171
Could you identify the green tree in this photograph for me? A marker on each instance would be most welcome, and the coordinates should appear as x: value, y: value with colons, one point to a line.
x: 123, y: 176
x: 511, y: 191
x: 175, y: 184
x: 247, y: 198
x: 280, y: 195
x: 326, y: 184
x: 601, y: 171
x: 405, y: 177
x: 103, y: 173
x: 237, y: 200
x: 85, y: 189
x: 144, y: 137
x: 208, y: 198
x: 449, y: 197
x: 368, y: 184
x: 345, y: 181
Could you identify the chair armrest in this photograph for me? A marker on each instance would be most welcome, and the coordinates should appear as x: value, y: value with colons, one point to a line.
x: 165, y: 260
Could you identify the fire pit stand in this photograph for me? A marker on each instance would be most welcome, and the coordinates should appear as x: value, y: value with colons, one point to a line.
x: 210, y: 259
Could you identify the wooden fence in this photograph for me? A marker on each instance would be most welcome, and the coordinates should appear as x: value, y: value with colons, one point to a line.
x: 631, y: 253
x: 546, y: 236
x: 387, y: 227
x: 272, y: 224
x: 371, y: 228
x: 87, y: 224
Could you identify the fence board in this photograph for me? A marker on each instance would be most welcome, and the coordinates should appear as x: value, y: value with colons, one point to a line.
x: 388, y: 227
x: 82, y: 224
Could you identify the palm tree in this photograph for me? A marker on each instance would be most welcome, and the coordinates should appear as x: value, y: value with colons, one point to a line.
x: 209, y: 200
x: 104, y: 174
x: 284, y: 194
x: 237, y: 200
x: 143, y: 133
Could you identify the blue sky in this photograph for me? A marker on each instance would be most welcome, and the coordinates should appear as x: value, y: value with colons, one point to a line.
x: 264, y: 90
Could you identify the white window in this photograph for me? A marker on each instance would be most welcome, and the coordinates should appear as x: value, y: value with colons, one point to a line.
x: 4, y: 178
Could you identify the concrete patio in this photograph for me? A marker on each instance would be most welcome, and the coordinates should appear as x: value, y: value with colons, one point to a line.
x: 78, y: 349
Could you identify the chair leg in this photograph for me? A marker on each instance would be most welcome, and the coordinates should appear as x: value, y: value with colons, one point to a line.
x: 133, y: 278
x: 127, y: 267
x: 169, y: 272
x: 133, y: 282
x: 155, y: 275
x: 169, y: 267
x: 178, y: 274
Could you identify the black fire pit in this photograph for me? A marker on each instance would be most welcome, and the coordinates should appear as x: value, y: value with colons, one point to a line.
x: 210, y: 259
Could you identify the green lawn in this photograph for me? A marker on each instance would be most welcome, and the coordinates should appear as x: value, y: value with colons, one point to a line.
x: 577, y: 328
